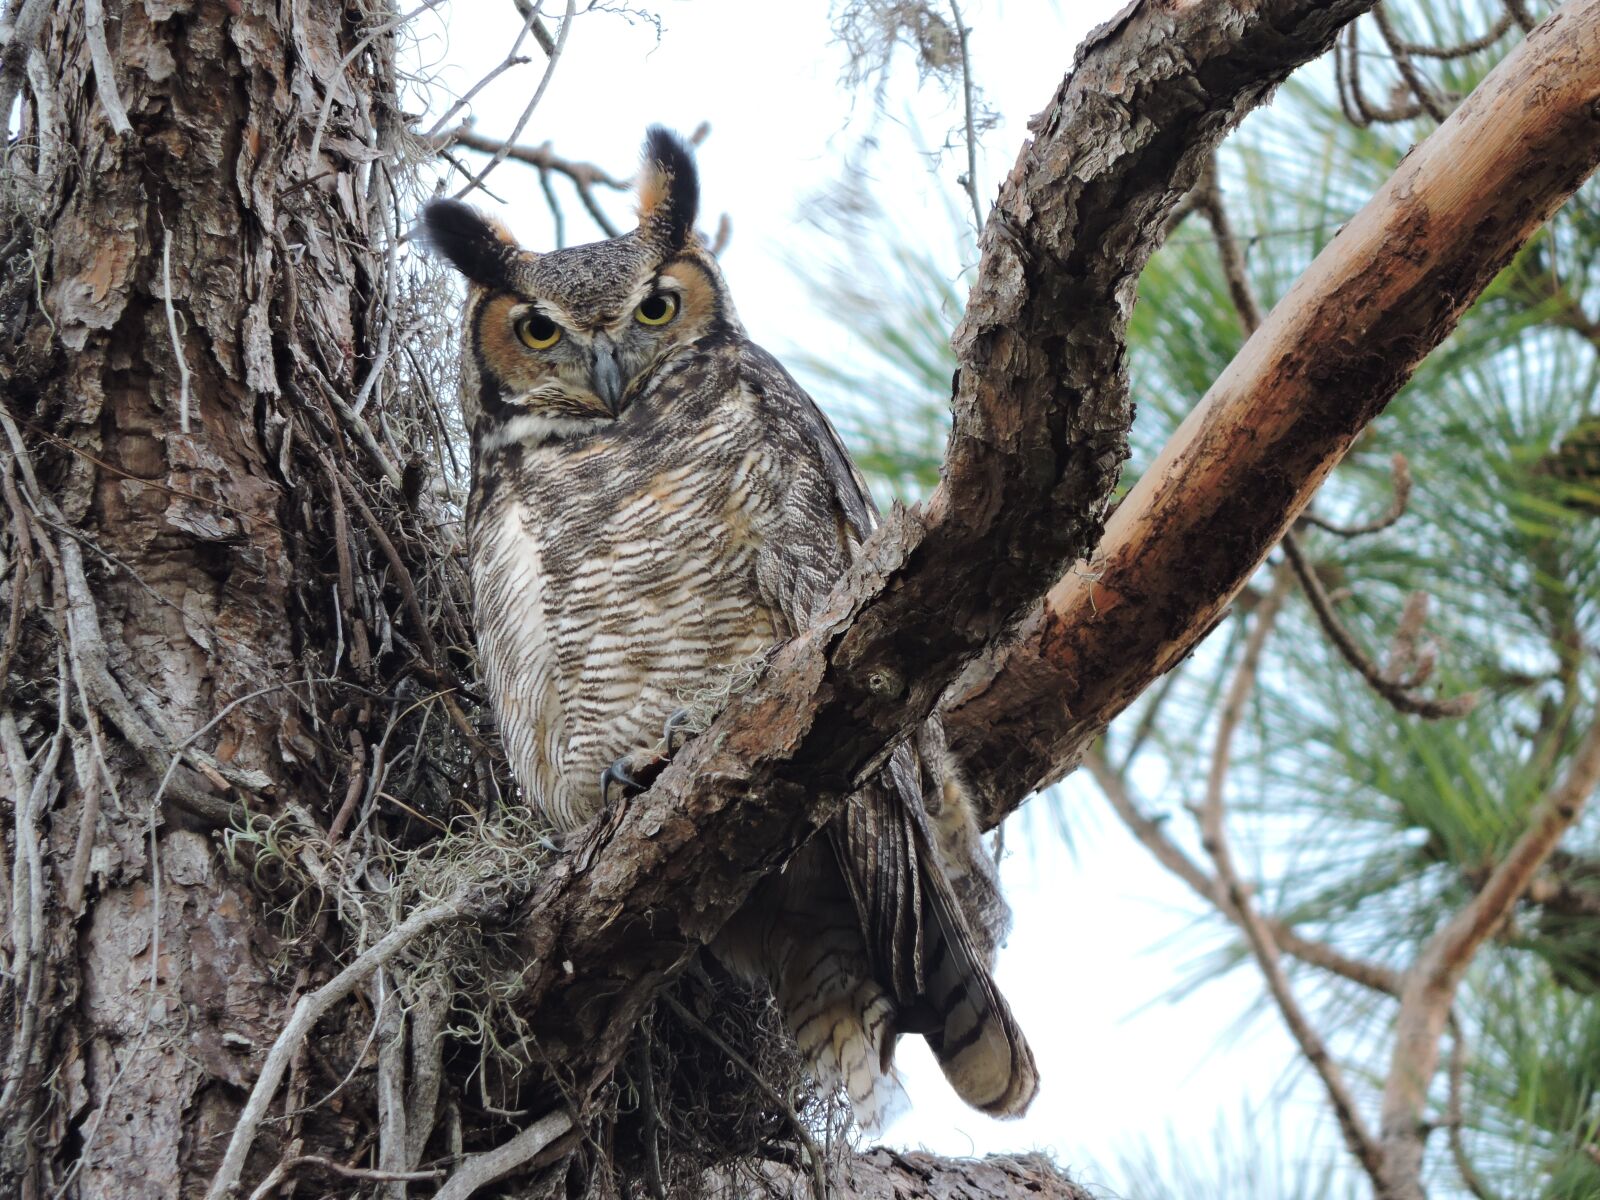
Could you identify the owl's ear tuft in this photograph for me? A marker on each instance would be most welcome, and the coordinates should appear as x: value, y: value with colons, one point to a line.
x: 479, y: 247
x: 669, y: 190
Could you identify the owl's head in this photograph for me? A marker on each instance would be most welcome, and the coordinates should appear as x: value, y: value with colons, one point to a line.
x: 560, y: 344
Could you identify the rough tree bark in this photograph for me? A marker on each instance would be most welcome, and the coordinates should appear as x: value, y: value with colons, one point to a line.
x: 166, y: 574
x: 208, y: 616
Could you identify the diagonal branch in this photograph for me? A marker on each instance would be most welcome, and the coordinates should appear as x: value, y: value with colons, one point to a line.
x: 1388, y: 288
x: 1153, y: 836
x: 1431, y: 983
x: 1269, y: 957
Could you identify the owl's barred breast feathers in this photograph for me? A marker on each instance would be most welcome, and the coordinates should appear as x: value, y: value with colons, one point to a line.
x: 655, y: 504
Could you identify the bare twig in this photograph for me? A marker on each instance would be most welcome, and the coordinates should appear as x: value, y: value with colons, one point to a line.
x: 1408, y: 69
x: 362, y: 431
x: 1347, y: 75
x: 1149, y: 717
x: 389, y: 1029
x: 968, y: 181
x: 1400, y: 473
x: 172, y: 330
x: 480, y: 1169
x: 1462, y: 49
x: 1213, y: 835
x: 33, y: 791
x: 1430, y: 985
x: 1454, y: 1118
x: 1519, y: 10
x: 544, y: 157
x: 499, y: 156
x: 408, y: 591
x: 1347, y: 78
x: 530, y: 18
x: 529, y: 9
x: 556, y: 215
x: 22, y: 565
x: 313, y: 1006
x: 1396, y: 695
x: 585, y: 177
x: 1208, y: 199
x: 105, y: 80
x: 386, y: 327
x: 652, y: 1114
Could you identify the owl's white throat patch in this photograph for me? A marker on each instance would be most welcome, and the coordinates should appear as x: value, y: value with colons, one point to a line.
x: 537, y: 428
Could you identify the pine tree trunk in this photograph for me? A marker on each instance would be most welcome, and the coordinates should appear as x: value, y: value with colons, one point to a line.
x: 172, y: 292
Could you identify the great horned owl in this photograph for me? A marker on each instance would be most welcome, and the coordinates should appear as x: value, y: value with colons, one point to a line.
x: 656, y: 503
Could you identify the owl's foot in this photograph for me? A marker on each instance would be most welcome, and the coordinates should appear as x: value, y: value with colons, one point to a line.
x: 618, y: 775
x: 633, y: 773
x: 630, y: 775
x: 680, y: 727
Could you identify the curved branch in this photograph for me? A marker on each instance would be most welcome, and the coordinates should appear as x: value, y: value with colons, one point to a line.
x: 1430, y: 985
x: 1388, y: 288
x: 1394, y: 692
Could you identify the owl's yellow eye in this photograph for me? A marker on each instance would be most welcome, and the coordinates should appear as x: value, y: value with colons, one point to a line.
x: 537, y: 331
x: 657, y: 310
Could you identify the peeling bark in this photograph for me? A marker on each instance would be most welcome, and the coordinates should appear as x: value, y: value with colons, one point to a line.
x: 175, y: 558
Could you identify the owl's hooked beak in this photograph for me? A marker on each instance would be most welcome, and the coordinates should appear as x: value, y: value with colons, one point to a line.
x: 605, y: 376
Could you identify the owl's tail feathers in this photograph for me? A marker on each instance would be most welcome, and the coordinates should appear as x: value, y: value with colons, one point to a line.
x: 848, y: 1039
x: 972, y: 1031
x: 842, y: 1021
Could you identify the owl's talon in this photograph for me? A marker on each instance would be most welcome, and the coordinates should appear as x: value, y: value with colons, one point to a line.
x: 677, y: 730
x: 617, y: 773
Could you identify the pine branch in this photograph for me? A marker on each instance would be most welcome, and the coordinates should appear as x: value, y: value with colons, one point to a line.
x: 1379, y: 297
x: 1430, y: 985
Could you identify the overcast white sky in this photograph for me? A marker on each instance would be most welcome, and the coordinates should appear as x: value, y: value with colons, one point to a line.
x: 1101, y: 934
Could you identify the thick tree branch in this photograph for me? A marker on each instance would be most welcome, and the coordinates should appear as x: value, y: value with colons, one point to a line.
x: 1381, y: 295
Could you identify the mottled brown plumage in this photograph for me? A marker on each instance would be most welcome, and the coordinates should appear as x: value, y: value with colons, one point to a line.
x: 655, y: 504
